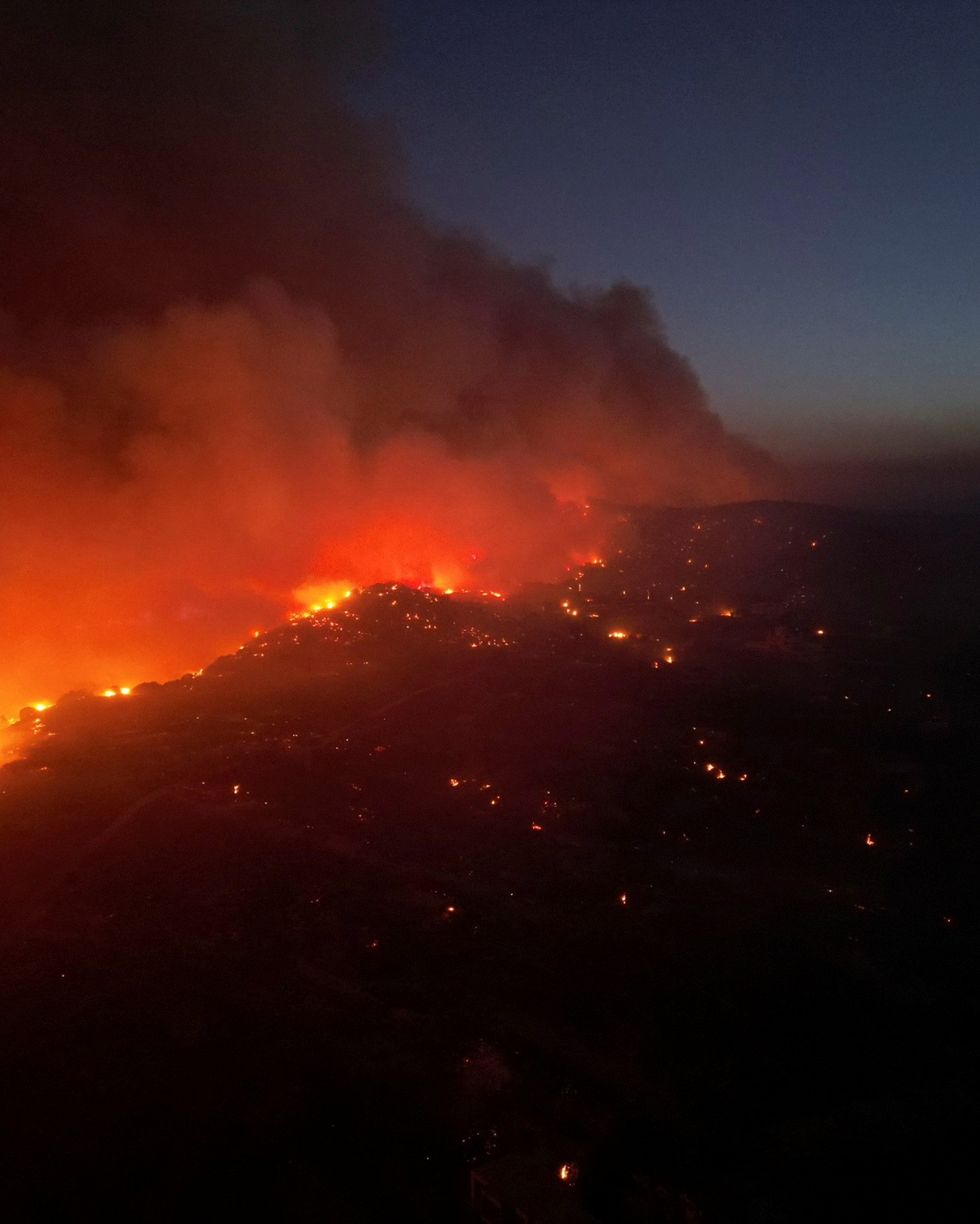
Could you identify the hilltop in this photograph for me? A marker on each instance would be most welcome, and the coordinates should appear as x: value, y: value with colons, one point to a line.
x: 429, y: 881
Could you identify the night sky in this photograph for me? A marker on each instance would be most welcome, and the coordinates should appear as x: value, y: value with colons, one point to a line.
x: 798, y: 184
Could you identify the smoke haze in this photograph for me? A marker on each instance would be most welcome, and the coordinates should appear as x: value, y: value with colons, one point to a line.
x: 234, y: 361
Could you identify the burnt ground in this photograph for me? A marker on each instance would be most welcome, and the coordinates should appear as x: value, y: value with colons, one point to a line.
x: 424, y: 883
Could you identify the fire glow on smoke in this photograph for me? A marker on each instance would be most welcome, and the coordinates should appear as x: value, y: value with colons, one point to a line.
x: 220, y: 401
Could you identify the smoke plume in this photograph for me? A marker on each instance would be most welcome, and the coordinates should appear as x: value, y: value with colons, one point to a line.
x: 235, y: 362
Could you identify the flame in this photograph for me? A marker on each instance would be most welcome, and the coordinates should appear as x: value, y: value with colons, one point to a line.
x: 315, y: 597
x: 180, y: 462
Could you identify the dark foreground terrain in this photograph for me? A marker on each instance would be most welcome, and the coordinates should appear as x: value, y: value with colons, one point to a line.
x: 426, y: 885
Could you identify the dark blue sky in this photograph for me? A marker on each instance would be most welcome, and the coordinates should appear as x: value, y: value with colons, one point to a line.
x: 798, y: 183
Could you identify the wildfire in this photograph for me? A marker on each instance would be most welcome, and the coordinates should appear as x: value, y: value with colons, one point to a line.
x: 322, y: 596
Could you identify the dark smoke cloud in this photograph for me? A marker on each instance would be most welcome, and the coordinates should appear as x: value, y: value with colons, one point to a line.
x: 233, y: 358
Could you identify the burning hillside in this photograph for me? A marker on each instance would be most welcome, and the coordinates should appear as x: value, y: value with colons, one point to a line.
x: 235, y: 364
x: 421, y: 882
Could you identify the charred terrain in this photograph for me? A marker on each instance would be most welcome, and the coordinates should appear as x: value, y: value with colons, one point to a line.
x: 664, y: 876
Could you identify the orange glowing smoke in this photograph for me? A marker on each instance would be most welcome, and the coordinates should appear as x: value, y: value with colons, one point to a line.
x: 236, y: 364
x: 240, y: 495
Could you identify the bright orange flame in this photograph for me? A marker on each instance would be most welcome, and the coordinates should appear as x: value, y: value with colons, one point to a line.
x: 322, y: 596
